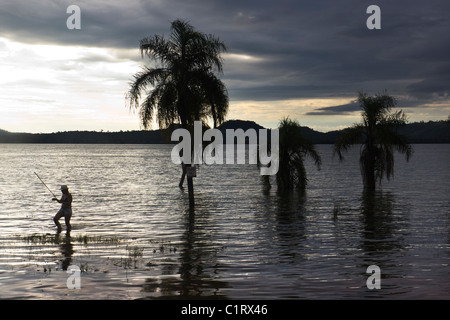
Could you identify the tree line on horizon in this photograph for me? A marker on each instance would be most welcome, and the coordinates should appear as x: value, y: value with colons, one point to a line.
x: 417, y: 132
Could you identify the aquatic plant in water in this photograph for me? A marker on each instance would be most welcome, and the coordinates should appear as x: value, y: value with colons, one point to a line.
x: 56, y: 239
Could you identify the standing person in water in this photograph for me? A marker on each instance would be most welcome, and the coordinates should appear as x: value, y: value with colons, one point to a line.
x: 66, y: 208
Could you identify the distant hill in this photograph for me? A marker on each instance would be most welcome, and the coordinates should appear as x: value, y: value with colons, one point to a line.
x: 417, y: 132
x: 242, y: 124
x: 88, y: 137
x: 427, y: 132
x: 239, y: 124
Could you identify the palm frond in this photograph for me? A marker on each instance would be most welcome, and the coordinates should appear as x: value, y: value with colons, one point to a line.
x: 146, y: 111
x: 387, y: 133
x: 215, y: 95
x: 347, y: 139
x: 157, y: 48
x: 142, y: 80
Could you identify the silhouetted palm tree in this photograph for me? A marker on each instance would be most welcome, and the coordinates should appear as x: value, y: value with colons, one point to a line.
x: 378, y: 136
x: 293, y: 148
x: 182, y: 87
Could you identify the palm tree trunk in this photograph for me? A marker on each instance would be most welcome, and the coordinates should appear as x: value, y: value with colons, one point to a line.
x: 369, y: 181
x: 370, y: 178
x: 214, y: 116
x: 190, y: 181
x: 183, y: 175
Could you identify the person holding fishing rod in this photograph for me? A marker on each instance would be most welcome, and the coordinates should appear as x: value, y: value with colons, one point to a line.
x: 66, y: 208
x: 66, y: 205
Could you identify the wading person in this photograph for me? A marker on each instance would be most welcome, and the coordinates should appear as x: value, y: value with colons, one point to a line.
x: 66, y: 208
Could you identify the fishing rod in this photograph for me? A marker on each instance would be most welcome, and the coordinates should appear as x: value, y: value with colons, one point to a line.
x: 45, y: 184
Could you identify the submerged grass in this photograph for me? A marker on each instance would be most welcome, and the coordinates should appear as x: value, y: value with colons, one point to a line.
x: 135, y: 253
x: 133, y: 258
x: 55, y: 239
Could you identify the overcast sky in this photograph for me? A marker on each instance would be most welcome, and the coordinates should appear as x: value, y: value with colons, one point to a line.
x: 303, y: 59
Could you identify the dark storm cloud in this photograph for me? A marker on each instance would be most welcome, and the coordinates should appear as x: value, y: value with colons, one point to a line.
x: 342, y: 109
x: 305, y: 49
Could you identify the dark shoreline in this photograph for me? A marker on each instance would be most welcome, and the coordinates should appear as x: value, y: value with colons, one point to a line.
x: 417, y: 132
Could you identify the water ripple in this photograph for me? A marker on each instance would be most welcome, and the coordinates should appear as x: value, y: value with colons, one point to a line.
x: 133, y: 236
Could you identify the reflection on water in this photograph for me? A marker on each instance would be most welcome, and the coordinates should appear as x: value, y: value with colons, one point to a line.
x: 66, y: 247
x: 197, y: 265
x: 133, y: 236
x: 378, y: 223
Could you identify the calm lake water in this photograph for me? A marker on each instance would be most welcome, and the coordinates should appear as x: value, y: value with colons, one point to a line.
x: 133, y: 236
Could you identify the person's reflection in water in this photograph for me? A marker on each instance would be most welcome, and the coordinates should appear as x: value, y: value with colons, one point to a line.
x: 66, y: 248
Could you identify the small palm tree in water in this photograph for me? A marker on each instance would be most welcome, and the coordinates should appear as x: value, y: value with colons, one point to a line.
x: 378, y: 136
x: 182, y: 87
x: 293, y: 148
